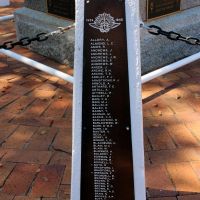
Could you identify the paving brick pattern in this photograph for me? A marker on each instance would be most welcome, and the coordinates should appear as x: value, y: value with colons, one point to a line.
x: 35, y: 126
x: 35, y: 130
x: 171, y: 135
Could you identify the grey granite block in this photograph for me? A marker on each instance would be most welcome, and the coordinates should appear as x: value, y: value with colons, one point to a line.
x: 185, y: 4
x: 158, y: 51
x: 60, y: 47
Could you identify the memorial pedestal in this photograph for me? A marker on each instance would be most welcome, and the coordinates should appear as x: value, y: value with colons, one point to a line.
x: 60, y: 47
x: 157, y: 51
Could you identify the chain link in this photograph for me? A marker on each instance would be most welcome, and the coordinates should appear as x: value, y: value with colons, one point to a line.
x: 152, y: 29
x: 41, y: 37
x: 171, y: 35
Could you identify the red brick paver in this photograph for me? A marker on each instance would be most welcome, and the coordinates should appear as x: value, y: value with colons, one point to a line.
x: 4, y: 196
x: 5, y: 171
x: 159, y: 187
x: 184, y: 177
x: 19, y: 181
x: 172, y: 139
x: 189, y: 197
x: 48, y: 181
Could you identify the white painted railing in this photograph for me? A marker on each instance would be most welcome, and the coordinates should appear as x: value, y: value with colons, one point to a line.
x: 4, y: 3
x: 170, y: 67
x: 145, y: 78
x: 38, y: 65
x: 6, y: 18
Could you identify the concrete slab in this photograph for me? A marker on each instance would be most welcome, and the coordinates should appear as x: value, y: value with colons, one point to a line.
x: 158, y: 51
x: 60, y: 47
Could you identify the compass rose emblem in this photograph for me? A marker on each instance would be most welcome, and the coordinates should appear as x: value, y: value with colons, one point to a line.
x: 104, y: 23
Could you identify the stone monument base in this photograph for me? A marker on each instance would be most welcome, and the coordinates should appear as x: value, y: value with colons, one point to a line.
x: 58, y: 47
x: 157, y: 51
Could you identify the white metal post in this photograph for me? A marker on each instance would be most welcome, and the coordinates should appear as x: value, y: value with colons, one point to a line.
x: 134, y: 63
x: 77, y: 103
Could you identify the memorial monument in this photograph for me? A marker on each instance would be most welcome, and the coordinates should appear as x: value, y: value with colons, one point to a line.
x: 108, y: 149
x: 45, y: 16
x: 182, y: 16
x: 172, y: 15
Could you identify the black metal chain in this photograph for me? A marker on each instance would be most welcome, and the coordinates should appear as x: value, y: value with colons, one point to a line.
x: 156, y: 30
x: 39, y: 38
x: 152, y: 29
x: 24, y: 41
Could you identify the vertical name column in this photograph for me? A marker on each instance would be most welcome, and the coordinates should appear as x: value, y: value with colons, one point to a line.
x: 103, y: 83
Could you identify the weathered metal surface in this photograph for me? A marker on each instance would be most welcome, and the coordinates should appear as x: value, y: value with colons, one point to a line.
x: 157, y: 8
x: 63, y: 8
x: 106, y: 167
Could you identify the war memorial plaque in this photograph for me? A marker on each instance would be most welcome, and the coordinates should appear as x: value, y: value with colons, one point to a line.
x: 106, y: 167
x: 63, y: 8
x: 157, y: 8
x: 107, y: 128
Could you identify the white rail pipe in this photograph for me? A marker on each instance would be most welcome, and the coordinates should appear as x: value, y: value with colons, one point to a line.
x: 4, y: 3
x: 145, y: 78
x: 6, y: 18
x: 170, y: 67
x: 38, y: 65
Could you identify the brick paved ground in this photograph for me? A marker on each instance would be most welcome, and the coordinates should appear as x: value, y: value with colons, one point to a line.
x: 35, y: 130
x: 171, y: 107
